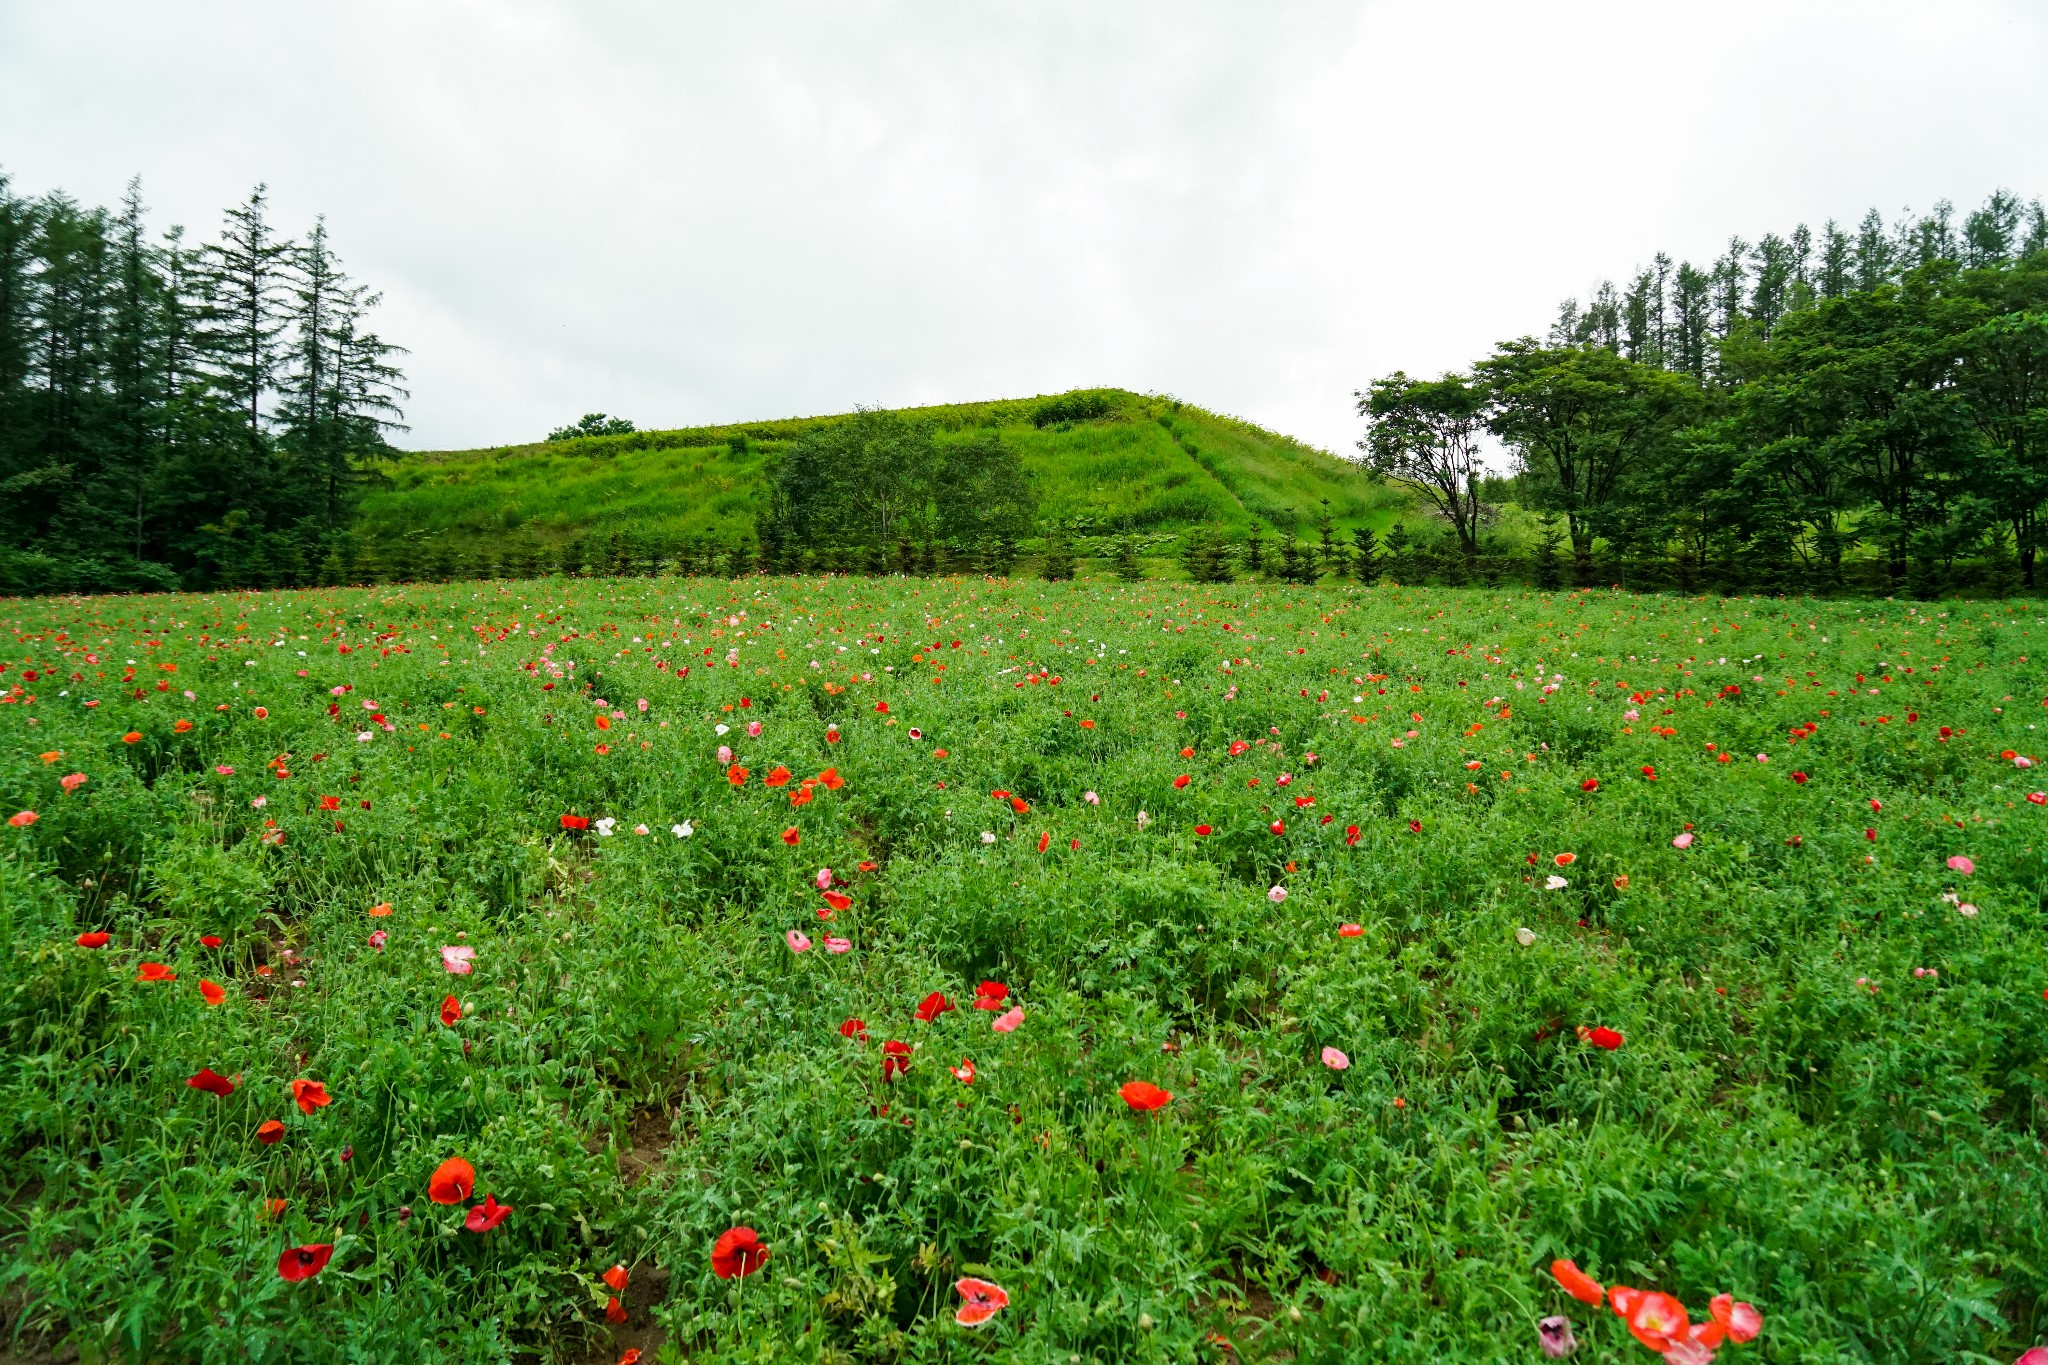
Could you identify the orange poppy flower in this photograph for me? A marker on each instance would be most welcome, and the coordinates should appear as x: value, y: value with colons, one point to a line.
x: 310, y: 1095
x: 1143, y: 1096
x: 210, y: 993
x: 1577, y: 1282
x: 270, y: 1132
x: 736, y: 775
x: 452, y: 1181
x: 831, y: 780
x: 155, y: 971
x: 451, y: 1012
x: 778, y: 776
x: 380, y: 910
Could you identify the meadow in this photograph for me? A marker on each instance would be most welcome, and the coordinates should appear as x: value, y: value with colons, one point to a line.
x: 946, y: 970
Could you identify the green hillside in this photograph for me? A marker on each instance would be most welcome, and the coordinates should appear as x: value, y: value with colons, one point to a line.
x: 1101, y: 459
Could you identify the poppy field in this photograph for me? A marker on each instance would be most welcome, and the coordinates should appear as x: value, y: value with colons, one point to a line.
x: 839, y: 969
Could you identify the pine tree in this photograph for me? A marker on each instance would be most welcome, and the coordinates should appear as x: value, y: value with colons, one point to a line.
x: 246, y: 275
x: 1057, y: 556
x: 1123, y: 559
x: 1549, y: 537
x: 1365, y: 555
x: 1254, y: 559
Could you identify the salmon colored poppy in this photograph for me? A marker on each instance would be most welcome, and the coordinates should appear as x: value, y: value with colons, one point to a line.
x: 837, y: 900
x: 737, y: 1252
x: 210, y: 993
x: 486, y: 1216
x: 932, y: 1006
x: 778, y: 776
x: 303, y: 1263
x: 452, y: 1182
x: 1143, y: 1096
x: 155, y: 971
x: 72, y: 782
x: 616, y: 1278
x: 1577, y: 1282
x: 1656, y: 1320
x: 1009, y: 1019
x: 451, y: 1012
x: 98, y: 938
x: 206, y: 1079
x: 980, y: 1301
x: 895, y: 1059
x: 310, y: 1095
x: 132, y: 737
x: 990, y: 995
x: 270, y: 1132
x: 1740, y: 1320
x: 380, y: 910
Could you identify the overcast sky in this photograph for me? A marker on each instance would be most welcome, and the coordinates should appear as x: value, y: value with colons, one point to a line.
x: 702, y: 213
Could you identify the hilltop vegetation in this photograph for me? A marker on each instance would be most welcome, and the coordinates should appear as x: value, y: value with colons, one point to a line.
x: 1101, y: 460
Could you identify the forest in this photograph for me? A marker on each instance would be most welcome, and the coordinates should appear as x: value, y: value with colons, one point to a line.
x: 1844, y: 411
x: 176, y: 412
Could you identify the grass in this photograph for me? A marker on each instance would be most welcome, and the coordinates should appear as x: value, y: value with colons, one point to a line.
x: 1798, y: 1112
x: 1154, y: 464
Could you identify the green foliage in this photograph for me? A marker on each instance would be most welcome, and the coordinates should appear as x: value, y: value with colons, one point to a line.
x: 1830, y: 1098
x: 593, y: 424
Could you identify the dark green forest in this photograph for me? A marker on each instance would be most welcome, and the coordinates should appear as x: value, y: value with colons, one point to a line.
x: 175, y: 412
x: 1865, y: 409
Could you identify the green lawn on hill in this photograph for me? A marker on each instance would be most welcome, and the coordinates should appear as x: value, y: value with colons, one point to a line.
x: 1150, y: 464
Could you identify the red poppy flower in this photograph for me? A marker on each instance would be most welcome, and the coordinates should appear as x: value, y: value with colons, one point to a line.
x: 1238, y: 746
x: 303, y: 1263
x: 1871, y: 835
x: 212, y: 1084
x: 614, y: 1311
x: 131, y: 737
x: 980, y: 1301
x: 2038, y: 798
x: 1350, y: 930
x: 604, y: 722
x: 802, y: 796
x: 792, y: 836
x: 1415, y: 827
x: 837, y: 900
x: 1565, y: 859
x: 98, y: 938
x: 1591, y: 784
x: 310, y: 1095
x: 1020, y: 805
x: 210, y: 993
x: 963, y: 1073
x: 895, y: 1059
x: 881, y: 708
x: 1350, y: 835
x: 830, y: 780
x: 932, y: 1006
x: 616, y: 1278
x: 451, y: 1012
x: 1203, y: 831
x: 1278, y: 827
x: 1649, y: 772
x: 452, y: 1181
x: 778, y: 776
x: 487, y: 1215
x: 1045, y: 841
x: 1143, y: 1096
x: 1604, y: 1038
x: 1577, y: 1282
x: 270, y: 1132
x: 1740, y: 1320
x: 1302, y: 801
x: 1800, y: 778
x: 575, y: 822
x: 989, y: 995
x: 209, y: 941
x: 155, y: 971
x: 854, y: 1028
x: 736, y: 775
x: 738, y: 1251
x: 1181, y: 781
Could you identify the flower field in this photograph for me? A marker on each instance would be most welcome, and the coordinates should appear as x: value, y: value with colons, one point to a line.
x: 942, y: 970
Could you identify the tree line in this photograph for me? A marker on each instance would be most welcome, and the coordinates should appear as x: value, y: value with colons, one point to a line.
x: 1864, y: 409
x: 178, y: 413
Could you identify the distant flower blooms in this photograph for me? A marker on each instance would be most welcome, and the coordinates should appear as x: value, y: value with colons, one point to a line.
x: 737, y: 1253
x: 989, y: 995
x: 1335, y: 1060
x: 963, y: 1073
x: 980, y: 1301
x: 1601, y: 1037
x: 1565, y: 859
x: 458, y: 959
x: 452, y: 1182
x: 487, y: 1215
x: 792, y: 836
x: 213, y: 1084
x: 1091, y: 798
x: 377, y: 940
x: 304, y: 1262
x: 987, y: 837
x: 1143, y: 1096
x: 1800, y: 778
x: 573, y: 823
x: 895, y: 1059
x: 451, y: 1012
x: 1591, y: 784
x: 73, y: 781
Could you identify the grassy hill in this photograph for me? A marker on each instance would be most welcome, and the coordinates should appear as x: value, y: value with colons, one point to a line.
x: 1103, y: 459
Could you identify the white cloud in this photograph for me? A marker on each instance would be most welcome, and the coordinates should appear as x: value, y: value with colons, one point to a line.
x: 702, y: 213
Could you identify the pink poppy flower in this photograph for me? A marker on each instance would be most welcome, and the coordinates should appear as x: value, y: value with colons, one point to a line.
x: 1961, y: 864
x: 1007, y: 1021
x: 798, y: 941
x: 456, y: 958
x: 73, y: 781
x: 837, y: 945
x: 1335, y: 1060
x: 824, y: 879
x: 378, y: 939
x: 1683, y: 841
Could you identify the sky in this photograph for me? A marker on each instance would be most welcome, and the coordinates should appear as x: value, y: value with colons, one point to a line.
x: 686, y: 214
